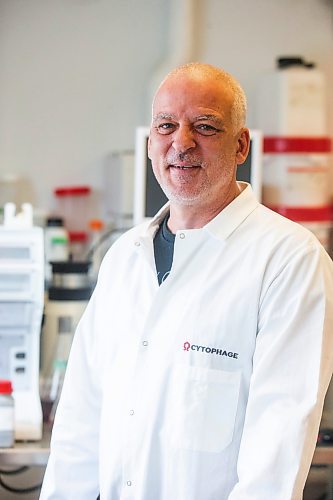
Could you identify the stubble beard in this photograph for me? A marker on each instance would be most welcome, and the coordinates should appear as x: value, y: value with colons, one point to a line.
x: 182, y: 194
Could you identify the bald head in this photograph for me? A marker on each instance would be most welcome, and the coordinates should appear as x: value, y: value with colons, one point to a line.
x: 206, y: 72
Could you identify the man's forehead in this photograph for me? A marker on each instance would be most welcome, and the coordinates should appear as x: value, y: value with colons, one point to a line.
x: 192, y: 106
x: 187, y: 90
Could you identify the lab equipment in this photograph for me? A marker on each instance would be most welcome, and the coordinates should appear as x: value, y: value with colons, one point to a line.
x: 7, y: 424
x: 119, y: 183
x: 292, y: 112
x: 21, y: 310
x: 297, y: 181
x: 56, y: 241
x: 78, y: 241
x: 292, y: 100
x: 97, y: 251
x: 66, y: 300
x: 73, y: 205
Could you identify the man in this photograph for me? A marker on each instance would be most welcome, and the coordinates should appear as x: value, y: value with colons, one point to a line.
x: 211, y: 385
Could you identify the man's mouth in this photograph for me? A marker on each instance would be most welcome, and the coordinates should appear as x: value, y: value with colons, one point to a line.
x: 184, y: 167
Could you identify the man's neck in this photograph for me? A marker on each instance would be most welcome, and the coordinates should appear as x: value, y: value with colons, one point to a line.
x: 194, y: 216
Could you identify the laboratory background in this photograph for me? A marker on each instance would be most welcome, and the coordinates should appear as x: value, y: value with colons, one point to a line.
x: 77, y: 78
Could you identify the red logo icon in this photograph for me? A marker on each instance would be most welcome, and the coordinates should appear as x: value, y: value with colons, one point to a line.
x: 187, y: 346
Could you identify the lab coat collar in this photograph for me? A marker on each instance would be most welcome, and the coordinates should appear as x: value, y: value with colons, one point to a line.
x: 225, y: 223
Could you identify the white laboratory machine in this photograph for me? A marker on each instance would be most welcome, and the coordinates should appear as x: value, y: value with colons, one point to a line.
x: 21, y: 310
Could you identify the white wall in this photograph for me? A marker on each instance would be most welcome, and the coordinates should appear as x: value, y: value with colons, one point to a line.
x: 72, y: 85
x: 75, y: 74
x: 245, y: 37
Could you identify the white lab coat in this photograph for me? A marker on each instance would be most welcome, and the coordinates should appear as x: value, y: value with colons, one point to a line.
x: 209, y: 387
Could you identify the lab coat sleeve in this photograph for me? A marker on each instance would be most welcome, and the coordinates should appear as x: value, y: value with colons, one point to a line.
x: 292, y: 367
x: 72, y: 470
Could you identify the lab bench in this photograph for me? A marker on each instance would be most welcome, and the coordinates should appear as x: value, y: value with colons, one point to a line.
x: 28, y: 453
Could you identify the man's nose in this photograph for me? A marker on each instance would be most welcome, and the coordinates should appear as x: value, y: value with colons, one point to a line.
x: 183, y: 139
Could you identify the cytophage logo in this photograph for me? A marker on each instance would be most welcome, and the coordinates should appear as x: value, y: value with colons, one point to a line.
x: 209, y: 350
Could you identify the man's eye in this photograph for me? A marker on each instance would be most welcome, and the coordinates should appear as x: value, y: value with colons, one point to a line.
x: 165, y: 128
x: 206, y: 129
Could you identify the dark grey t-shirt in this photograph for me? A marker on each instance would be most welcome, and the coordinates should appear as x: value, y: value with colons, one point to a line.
x: 163, y: 250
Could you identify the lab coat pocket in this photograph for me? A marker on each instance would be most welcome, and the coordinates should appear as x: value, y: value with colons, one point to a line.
x: 202, y: 406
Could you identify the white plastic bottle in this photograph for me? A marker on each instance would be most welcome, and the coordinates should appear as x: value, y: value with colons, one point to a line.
x: 292, y: 100
x: 96, y: 251
x: 56, y: 244
x: 7, y: 423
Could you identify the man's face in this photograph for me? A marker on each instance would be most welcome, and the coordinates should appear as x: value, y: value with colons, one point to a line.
x: 192, y: 145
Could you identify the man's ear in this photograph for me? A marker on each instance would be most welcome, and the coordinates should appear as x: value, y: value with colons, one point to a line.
x: 243, y: 146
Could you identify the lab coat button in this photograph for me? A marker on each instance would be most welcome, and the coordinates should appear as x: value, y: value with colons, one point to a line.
x: 137, y: 243
x: 129, y: 483
x: 131, y: 412
x: 145, y: 343
x: 182, y: 236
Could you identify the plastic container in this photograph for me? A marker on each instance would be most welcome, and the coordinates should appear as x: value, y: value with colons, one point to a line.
x: 317, y: 220
x: 73, y: 205
x: 78, y: 242
x: 296, y: 181
x: 56, y: 240
x: 296, y: 171
x: 292, y: 100
x: 96, y: 247
x: 7, y: 422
